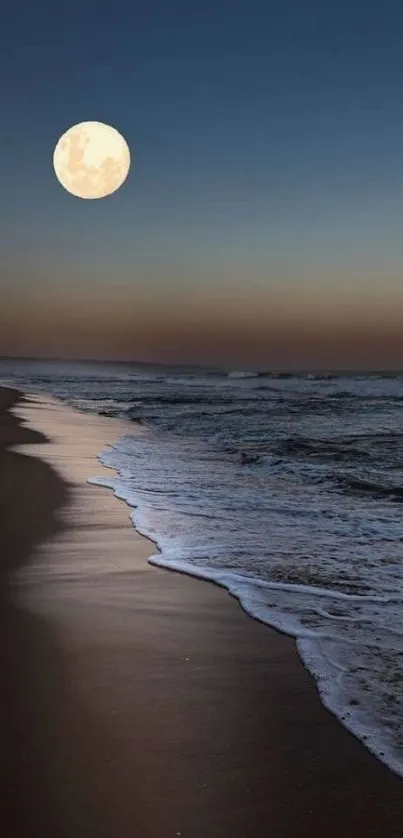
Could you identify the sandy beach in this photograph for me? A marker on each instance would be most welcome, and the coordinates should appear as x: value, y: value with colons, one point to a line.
x: 141, y: 703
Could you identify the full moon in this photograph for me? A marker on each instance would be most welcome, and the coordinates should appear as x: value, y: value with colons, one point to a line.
x: 91, y: 160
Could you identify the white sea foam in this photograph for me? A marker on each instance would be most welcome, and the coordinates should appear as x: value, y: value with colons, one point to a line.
x: 241, y: 374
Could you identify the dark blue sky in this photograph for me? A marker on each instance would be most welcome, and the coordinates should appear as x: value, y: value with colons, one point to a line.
x: 267, y: 180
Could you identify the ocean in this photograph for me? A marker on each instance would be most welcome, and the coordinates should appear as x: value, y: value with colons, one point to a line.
x: 285, y: 489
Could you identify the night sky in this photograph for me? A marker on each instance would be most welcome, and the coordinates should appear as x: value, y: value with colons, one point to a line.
x: 262, y: 221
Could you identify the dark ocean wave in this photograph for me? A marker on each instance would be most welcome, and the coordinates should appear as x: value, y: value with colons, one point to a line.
x: 183, y: 398
x: 266, y: 387
x: 356, y: 485
x: 364, y: 397
x: 301, y: 447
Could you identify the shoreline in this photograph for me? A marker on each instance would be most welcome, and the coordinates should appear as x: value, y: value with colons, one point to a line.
x: 372, y: 738
x: 190, y: 716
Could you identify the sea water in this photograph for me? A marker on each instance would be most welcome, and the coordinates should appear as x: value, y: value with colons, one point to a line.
x: 286, y: 490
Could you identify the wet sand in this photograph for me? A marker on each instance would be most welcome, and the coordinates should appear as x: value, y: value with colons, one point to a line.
x: 140, y: 703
